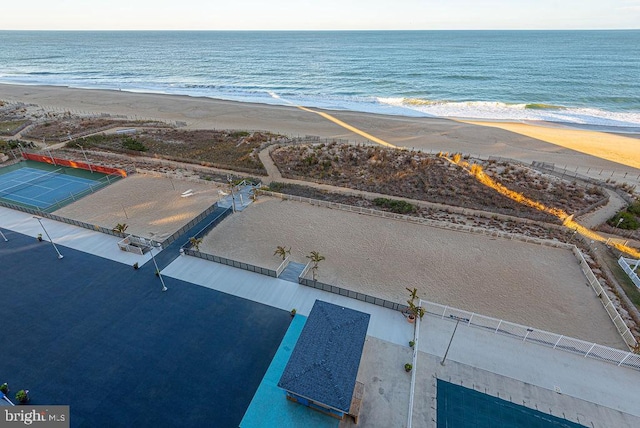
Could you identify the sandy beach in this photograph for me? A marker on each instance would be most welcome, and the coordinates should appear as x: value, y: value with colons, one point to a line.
x: 524, y: 283
x: 151, y: 207
x: 575, y: 149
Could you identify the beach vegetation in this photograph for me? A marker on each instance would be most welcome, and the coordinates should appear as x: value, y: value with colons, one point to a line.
x: 59, y: 127
x: 239, y: 134
x: 195, y: 242
x: 624, y: 220
x: 131, y: 143
x: 120, y: 227
x: 395, y: 206
x: 414, y: 310
x: 15, y: 144
x: 22, y: 396
x: 282, y: 252
x: 315, y: 258
x: 10, y: 127
x: 434, y: 178
x: 231, y: 150
x: 634, y: 208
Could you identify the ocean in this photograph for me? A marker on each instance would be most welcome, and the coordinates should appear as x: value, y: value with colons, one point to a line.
x: 582, y: 78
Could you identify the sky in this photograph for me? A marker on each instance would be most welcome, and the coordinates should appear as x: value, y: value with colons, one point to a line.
x: 319, y: 15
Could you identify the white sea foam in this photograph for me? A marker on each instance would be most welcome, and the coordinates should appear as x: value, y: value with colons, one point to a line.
x: 516, y: 112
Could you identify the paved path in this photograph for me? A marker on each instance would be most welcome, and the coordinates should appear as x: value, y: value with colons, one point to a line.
x: 604, y: 213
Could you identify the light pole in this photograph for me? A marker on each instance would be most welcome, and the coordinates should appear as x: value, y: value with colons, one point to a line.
x: 458, y: 319
x: 620, y: 220
x: 233, y: 198
x: 3, y: 237
x: 85, y: 157
x: 153, y: 257
x: 47, y: 233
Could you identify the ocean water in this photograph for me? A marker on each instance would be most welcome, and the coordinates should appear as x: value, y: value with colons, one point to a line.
x: 584, y: 78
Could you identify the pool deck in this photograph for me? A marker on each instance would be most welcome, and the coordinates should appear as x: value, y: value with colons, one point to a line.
x: 489, y: 361
x: 269, y: 408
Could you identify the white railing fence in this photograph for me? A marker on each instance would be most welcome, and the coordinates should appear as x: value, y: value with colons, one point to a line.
x: 532, y: 335
x: 613, y: 313
x: 630, y: 267
x: 282, y: 266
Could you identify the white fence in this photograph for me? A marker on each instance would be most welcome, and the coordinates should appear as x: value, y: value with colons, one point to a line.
x: 606, y: 301
x: 282, y: 266
x: 541, y: 337
x: 625, y: 264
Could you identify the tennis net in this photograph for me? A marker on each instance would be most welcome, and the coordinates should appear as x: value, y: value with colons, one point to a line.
x: 29, y: 183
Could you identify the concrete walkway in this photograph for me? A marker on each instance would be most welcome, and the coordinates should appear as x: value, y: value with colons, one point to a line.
x: 604, y: 213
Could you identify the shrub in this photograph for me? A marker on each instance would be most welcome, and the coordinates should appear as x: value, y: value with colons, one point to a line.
x: 133, y: 144
x: 634, y: 208
x: 22, y: 396
x: 629, y: 221
x: 395, y: 206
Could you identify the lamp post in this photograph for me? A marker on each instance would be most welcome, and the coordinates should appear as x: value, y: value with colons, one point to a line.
x: 233, y: 198
x: 47, y: 233
x: 85, y: 157
x: 620, y: 220
x: 458, y: 319
x: 573, y: 235
x: 153, y: 257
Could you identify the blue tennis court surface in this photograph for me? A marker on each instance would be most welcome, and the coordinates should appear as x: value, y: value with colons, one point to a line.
x: 102, y: 338
x: 460, y: 407
x: 47, y: 189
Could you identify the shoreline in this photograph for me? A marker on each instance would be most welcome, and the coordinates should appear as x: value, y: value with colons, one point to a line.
x: 526, y: 142
x: 622, y: 130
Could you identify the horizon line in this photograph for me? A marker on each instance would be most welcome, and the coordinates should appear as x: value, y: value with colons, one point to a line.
x: 321, y: 30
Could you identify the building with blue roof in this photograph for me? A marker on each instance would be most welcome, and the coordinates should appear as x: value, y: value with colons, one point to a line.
x: 323, y: 367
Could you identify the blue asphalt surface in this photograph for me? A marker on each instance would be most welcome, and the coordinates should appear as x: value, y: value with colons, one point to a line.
x: 172, y: 251
x: 103, y: 338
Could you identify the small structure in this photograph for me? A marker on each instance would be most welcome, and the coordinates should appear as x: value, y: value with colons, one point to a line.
x: 134, y: 244
x: 322, y: 370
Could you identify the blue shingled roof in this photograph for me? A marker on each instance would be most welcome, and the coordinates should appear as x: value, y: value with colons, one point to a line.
x: 324, y: 364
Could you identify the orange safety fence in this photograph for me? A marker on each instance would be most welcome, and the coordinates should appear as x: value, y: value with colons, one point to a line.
x: 74, y: 164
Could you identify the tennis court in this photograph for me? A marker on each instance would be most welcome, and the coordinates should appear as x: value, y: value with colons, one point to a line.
x: 48, y: 187
x: 460, y: 407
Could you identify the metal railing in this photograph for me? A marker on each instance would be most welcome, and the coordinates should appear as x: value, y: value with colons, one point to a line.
x: 202, y: 232
x: 72, y: 222
x: 230, y: 262
x: 282, y: 266
x: 528, y: 334
x: 613, y: 313
x: 192, y: 223
x: 625, y: 264
x: 351, y: 294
